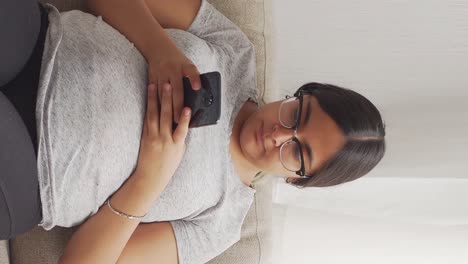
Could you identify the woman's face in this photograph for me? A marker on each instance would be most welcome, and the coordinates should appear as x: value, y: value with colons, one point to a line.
x: 262, y: 134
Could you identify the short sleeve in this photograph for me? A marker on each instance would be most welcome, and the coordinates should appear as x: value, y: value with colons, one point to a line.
x: 233, y: 51
x: 215, y: 28
x: 210, y: 233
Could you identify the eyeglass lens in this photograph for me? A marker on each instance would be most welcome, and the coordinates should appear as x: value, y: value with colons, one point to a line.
x: 290, y: 156
x: 289, y: 112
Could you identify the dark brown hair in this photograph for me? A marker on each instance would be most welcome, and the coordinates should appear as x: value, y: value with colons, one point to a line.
x: 363, y: 128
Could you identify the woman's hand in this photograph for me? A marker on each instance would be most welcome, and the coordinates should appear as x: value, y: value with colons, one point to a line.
x: 140, y: 23
x: 171, y: 65
x: 161, y: 148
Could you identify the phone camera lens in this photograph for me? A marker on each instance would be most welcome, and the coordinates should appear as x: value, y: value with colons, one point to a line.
x: 208, y: 100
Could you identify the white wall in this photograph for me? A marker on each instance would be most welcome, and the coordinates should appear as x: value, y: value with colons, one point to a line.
x: 325, y: 238
x: 411, y: 59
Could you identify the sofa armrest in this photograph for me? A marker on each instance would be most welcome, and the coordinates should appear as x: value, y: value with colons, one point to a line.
x: 4, y: 252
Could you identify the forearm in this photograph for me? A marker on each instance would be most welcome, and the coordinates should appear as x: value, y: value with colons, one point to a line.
x: 102, y: 238
x: 135, y: 21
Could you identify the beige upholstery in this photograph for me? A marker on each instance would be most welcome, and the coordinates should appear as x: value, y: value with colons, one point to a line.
x: 4, y: 252
x: 39, y: 246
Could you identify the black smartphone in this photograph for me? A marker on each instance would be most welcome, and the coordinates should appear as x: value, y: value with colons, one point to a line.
x: 206, y: 102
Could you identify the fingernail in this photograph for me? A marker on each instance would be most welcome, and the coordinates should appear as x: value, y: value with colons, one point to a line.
x: 187, y: 112
x: 167, y: 87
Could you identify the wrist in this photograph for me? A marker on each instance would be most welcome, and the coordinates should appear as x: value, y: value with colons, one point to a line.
x: 134, y: 197
x: 149, y: 182
x: 157, y: 46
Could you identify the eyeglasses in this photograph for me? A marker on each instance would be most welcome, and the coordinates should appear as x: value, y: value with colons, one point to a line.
x: 291, y: 155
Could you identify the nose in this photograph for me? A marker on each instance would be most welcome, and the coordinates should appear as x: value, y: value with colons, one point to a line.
x: 281, y: 134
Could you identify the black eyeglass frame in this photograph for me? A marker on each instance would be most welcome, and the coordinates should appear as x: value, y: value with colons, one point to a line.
x: 300, y: 172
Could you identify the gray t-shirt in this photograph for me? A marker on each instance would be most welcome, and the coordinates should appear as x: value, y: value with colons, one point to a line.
x: 90, y: 108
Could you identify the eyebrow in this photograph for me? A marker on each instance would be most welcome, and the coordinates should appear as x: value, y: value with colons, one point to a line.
x: 307, y: 119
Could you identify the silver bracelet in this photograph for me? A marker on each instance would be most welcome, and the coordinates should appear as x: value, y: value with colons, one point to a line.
x: 123, y: 214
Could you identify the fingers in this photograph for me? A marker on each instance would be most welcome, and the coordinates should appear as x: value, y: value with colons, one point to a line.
x: 166, y: 110
x: 171, y: 103
x: 177, y: 96
x: 192, y: 73
x: 152, y: 112
x: 152, y: 76
x: 161, y: 82
x: 182, y: 127
x: 159, y: 119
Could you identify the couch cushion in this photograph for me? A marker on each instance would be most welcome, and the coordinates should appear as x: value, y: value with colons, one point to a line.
x: 4, y: 252
x: 40, y: 246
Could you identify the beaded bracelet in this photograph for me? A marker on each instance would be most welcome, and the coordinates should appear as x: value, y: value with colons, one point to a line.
x: 123, y: 214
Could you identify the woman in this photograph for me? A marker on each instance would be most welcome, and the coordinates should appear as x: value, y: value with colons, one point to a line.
x: 176, y: 196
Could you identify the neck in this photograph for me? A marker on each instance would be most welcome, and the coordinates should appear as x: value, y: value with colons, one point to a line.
x: 244, y: 168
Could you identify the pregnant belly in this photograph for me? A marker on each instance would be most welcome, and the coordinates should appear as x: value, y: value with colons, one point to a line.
x: 92, y: 122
